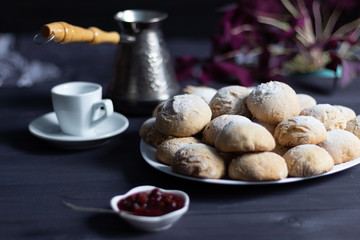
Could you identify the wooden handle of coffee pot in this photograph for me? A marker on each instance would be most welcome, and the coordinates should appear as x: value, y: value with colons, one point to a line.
x: 63, y: 32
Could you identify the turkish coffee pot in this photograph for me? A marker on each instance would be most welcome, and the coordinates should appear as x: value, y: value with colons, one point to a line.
x: 143, y: 75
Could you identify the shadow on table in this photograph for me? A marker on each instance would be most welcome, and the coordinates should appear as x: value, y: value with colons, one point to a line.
x: 111, y: 225
x: 21, y: 139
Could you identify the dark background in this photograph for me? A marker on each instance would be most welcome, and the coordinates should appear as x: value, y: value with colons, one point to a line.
x: 187, y: 18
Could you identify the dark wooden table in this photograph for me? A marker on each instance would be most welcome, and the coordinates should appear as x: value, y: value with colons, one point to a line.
x: 35, y: 178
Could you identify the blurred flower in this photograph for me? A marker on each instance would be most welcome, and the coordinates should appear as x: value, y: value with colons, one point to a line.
x: 267, y: 40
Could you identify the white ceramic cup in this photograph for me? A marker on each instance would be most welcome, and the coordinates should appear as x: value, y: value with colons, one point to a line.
x: 79, y: 107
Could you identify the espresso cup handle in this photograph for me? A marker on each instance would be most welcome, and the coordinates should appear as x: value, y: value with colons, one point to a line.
x: 107, y: 106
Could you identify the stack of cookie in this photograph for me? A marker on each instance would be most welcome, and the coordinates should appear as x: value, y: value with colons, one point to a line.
x: 262, y: 134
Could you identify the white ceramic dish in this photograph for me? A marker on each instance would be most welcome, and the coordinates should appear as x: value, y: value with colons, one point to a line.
x: 149, y: 154
x: 146, y: 223
x: 47, y: 128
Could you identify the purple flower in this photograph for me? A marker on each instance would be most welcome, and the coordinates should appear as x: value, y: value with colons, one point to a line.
x: 281, y: 37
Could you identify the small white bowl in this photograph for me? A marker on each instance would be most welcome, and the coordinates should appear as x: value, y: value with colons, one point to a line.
x: 150, y: 223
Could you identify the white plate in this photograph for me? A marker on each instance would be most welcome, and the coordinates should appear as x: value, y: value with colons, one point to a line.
x: 149, y: 154
x: 47, y: 128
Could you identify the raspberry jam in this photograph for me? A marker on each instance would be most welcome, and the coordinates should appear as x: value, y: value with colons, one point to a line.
x: 151, y: 203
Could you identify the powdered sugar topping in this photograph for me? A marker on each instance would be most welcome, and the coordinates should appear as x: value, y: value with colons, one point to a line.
x: 186, y: 102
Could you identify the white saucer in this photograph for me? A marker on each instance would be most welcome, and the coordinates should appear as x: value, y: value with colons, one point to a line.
x: 47, y: 128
